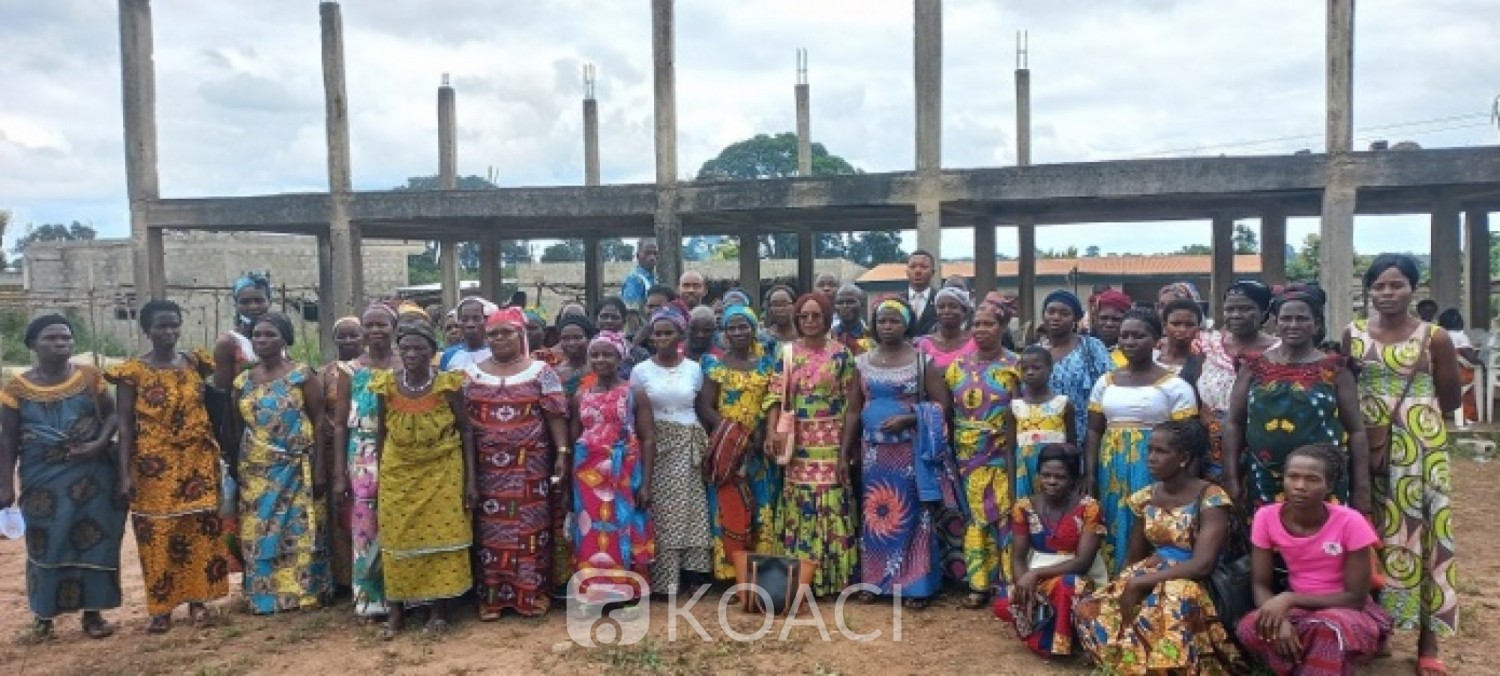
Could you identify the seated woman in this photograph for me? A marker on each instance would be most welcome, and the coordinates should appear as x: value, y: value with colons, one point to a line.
x: 1057, y: 561
x: 1327, y: 623
x: 1157, y: 615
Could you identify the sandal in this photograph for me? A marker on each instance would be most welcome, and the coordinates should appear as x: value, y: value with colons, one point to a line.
x: 160, y: 624
x: 39, y: 631
x: 976, y: 600
x: 1430, y: 665
x: 915, y: 604
x: 199, y: 614
x: 95, y: 627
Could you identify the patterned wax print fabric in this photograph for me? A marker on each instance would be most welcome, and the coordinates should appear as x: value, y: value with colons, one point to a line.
x: 364, y: 488
x: 983, y: 393
x: 1289, y: 405
x: 1075, y: 374
x: 1037, y: 425
x: 742, y: 513
x: 1048, y: 629
x: 612, y: 535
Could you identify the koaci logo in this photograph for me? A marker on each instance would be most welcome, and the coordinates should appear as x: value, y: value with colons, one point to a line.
x: 608, y: 607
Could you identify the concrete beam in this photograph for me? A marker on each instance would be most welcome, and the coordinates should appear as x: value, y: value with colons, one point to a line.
x: 1273, y: 247
x: 984, y: 257
x: 1339, y: 62
x: 1447, y: 253
x: 447, y: 137
x: 1221, y: 271
x: 344, y: 239
x: 1336, y: 249
x: 750, y: 265
x: 1477, y: 285
x: 1026, y: 272
x: 806, y: 260
x: 138, y: 99
x: 664, y: 75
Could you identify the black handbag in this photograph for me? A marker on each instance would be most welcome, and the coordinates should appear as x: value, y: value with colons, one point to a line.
x: 1229, y: 584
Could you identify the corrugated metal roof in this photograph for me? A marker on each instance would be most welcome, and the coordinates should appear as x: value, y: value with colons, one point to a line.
x: 1118, y: 266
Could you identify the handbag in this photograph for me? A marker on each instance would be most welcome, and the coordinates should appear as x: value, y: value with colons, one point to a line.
x: 786, y: 423
x: 1229, y: 585
x: 1378, y: 436
x: 726, y: 449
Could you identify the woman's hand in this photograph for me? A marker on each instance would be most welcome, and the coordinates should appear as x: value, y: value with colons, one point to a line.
x: 1025, y: 587
x: 1272, y: 615
x: 1285, y: 643
x: 1234, y: 488
x: 843, y: 472
x: 125, y: 491
x: 1130, y: 600
x: 897, y: 424
x: 88, y: 450
x: 340, y: 488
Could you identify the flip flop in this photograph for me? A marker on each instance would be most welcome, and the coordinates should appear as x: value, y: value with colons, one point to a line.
x: 1430, y: 665
x: 160, y: 624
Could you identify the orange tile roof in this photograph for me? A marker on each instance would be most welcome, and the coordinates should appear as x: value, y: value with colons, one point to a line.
x: 1102, y: 266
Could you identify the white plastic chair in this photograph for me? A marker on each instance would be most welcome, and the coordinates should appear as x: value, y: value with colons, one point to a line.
x: 1486, y: 396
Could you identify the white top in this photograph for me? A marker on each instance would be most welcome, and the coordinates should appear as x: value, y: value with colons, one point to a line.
x: 462, y: 358
x: 1460, y: 340
x: 671, y: 391
x: 1170, y: 398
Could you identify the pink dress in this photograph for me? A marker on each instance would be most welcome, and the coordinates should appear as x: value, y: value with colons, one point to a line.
x: 941, y: 359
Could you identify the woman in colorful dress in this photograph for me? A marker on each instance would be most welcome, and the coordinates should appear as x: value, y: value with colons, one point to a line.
x: 232, y: 351
x: 283, y: 529
x: 1123, y: 408
x: 1412, y: 489
x: 811, y: 384
x: 1078, y: 361
x: 1055, y: 556
x: 1291, y: 396
x: 671, y: 382
x: 58, y: 422
x: 1042, y: 417
x: 951, y: 340
x: 574, y: 330
x: 172, y: 465
x: 984, y: 383
x: 349, y: 341
x: 427, y: 481
x: 742, y: 509
x: 1325, y: 624
x: 356, y: 472
x: 898, y: 545
x: 614, y: 443
x: 518, y: 411
x: 1156, y: 615
x: 1246, y: 306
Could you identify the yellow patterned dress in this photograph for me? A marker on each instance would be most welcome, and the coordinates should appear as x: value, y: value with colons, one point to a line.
x: 1176, y: 626
x: 175, y: 467
x: 1037, y: 425
x: 1413, y: 510
x: 983, y: 391
x: 744, y: 511
x: 425, y: 532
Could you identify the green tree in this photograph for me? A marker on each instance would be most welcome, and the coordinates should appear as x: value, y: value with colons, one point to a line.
x: 564, y: 251
x: 1091, y: 252
x: 50, y: 232
x: 4, y: 224
x: 871, y: 248
x: 1245, y: 240
x: 1070, y: 252
x: 1304, y: 266
x: 615, y: 250
x: 1195, y: 250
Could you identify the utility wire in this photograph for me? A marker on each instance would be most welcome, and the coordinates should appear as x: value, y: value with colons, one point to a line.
x: 1450, y: 119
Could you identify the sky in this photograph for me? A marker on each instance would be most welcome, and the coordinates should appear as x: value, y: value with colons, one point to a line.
x: 240, y: 101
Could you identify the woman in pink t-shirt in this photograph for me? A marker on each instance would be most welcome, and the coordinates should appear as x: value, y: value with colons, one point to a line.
x: 1326, y: 623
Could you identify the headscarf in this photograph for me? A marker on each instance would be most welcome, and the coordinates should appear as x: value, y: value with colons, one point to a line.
x: 1181, y: 290
x: 1258, y: 293
x: 407, y: 307
x: 900, y: 308
x: 534, y: 314
x: 995, y: 301
x: 671, y: 314
x: 351, y: 319
x: 1115, y: 300
x: 1312, y: 294
x: 513, y: 317
x: 486, y: 308
x: 579, y: 321
x: 736, y: 296
x: 702, y: 312
x: 259, y: 280
x: 961, y: 296
x: 34, y: 329
x: 421, y: 330
x: 1066, y: 298
x: 737, y: 310
x: 614, y: 340
x: 381, y: 307
x: 569, y: 308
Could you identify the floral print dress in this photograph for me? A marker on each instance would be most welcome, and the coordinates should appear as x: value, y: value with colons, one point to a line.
x: 746, y: 508
x: 983, y: 392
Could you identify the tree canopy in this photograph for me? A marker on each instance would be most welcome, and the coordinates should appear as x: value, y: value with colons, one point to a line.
x: 48, y: 232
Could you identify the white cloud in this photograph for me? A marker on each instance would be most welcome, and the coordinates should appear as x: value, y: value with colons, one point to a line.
x: 240, y: 90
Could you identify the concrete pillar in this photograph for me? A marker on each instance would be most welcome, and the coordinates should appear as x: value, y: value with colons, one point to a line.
x: 448, y: 272
x: 1447, y: 253
x: 593, y: 272
x: 984, y: 257
x: 344, y: 239
x: 1023, y: 117
x: 448, y: 180
x: 491, y: 275
x: 928, y: 72
x: 804, y: 117
x: 1336, y: 251
x: 138, y: 98
x: 664, y: 75
x: 1477, y: 227
x: 590, y: 142
x: 1273, y: 247
x: 1026, y: 284
x: 1221, y: 273
x: 750, y: 264
x: 326, y: 315
x: 806, y: 259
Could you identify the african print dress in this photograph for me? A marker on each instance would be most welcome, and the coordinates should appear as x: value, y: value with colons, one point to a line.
x: 982, y: 395
x: 898, y: 546
x: 1075, y: 375
x: 562, y: 539
x: 340, y: 545
x: 175, y: 467
x: 611, y: 533
x: 679, y: 498
x: 815, y: 508
x: 363, y: 465
x: 425, y: 532
x: 513, y: 460
x: 282, y: 527
x: 73, y: 528
x: 742, y: 512
x: 940, y: 359
x: 1413, y: 510
x: 1176, y: 626
x: 1129, y: 414
x: 1289, y: 405
x: 1215, y: 385
x: 1037, y: 426
x: 1048, y: 628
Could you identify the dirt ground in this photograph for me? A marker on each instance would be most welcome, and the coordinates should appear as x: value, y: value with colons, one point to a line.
x: 942, y: 639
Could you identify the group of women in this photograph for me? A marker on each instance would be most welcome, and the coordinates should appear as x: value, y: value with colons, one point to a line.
x: 1085, y: 486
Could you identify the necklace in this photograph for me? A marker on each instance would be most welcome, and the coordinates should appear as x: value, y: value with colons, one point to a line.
x: 406, y: 380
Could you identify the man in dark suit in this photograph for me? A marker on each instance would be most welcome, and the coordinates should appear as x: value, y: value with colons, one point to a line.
x: 919, y: 292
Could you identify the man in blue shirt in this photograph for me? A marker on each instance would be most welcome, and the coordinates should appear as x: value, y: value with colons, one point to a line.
x: 641, y: 279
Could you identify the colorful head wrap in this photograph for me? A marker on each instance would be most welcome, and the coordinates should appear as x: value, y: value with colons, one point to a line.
x: 259, y: 280
x: 956, y: 294
x: 1066, y: 298
x: 1115, y: 300
x: 1184, y: 290
x: 1003, y: 307
x: 900, y: 308
x: 534, y: 314
x: 407, y: 307
x: 485, y: 307
x: 509, y: 316
x: 613, y: 340
x: 740, y: 311
x: 736, y: 296
x: 421, y: 330
x: 671, y: 314
x: 382, y: 308
x: 348, y: 320
x: 1258, y: 293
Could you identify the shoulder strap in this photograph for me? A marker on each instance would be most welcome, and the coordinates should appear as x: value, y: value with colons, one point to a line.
x: 921, y: 377
x: 1411, y: 376
x: 786, y: 371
